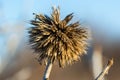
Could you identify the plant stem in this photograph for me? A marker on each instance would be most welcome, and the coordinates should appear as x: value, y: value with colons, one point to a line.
x: 47, y: 70
x: 105, y: 71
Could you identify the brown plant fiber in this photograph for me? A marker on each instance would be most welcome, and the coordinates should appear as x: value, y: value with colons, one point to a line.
x: 57, y: 39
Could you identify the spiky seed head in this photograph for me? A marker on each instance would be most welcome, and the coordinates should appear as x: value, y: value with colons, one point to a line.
x: 55, y: 39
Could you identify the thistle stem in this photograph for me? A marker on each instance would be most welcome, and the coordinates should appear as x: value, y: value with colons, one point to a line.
x: 47, y: 70
x: 105, y: 71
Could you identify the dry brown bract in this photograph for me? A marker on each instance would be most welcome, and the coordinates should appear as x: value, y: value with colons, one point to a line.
x: 55, y: 39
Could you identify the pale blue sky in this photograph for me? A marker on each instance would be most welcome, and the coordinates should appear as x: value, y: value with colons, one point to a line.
x: 105, y: 13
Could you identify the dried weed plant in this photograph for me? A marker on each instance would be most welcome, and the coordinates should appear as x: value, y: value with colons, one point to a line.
x: 59, y: 40
x: 55, y: 39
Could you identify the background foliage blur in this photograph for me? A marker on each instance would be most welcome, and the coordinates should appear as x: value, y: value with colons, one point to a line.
x: 17, y: 61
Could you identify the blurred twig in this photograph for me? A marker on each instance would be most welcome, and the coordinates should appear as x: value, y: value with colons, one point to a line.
x: 105, y: 71
x: 97, y: 58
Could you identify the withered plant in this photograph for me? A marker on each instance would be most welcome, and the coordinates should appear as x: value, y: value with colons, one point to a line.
x: 58, y: 40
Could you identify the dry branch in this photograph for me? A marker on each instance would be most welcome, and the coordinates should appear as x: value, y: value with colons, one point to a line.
x: 105, y: 71
x: 48, y: 70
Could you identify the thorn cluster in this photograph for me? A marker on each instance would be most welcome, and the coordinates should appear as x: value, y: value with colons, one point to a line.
x: 55, y: 39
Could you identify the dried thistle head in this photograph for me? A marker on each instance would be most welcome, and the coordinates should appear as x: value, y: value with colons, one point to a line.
x: 55, y: 39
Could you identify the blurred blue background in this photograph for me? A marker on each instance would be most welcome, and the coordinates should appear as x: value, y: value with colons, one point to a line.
x: 102, y: 17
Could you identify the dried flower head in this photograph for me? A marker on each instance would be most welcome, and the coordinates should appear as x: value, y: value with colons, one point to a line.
x: 55, y: 39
